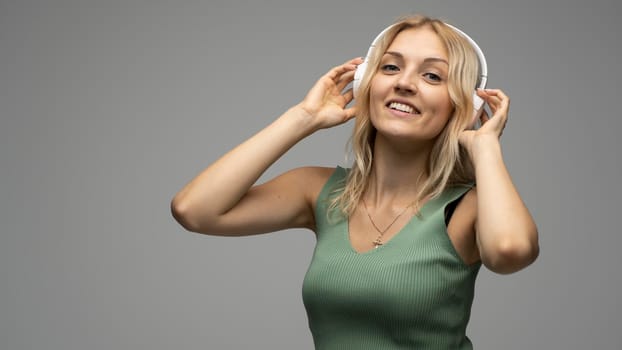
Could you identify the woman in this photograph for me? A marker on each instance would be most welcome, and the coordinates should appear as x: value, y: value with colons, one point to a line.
x: 401, y: 235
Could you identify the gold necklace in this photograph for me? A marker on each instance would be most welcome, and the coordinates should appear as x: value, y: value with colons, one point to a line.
x: 378, y: 242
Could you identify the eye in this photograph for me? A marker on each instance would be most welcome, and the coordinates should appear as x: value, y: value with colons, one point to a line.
x: 432, y: 77
x: 389, y: 68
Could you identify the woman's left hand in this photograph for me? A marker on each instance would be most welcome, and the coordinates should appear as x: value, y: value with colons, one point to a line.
x: 505, y: 233
x: 491, y: 127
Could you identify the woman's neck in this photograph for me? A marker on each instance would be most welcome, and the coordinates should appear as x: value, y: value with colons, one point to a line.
x: 396, y: 174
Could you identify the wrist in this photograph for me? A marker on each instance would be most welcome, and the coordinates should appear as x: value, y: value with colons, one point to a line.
x: 300, y: 120
x: 484, y: 148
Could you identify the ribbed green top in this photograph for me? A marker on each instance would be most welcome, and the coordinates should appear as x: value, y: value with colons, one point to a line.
x: 413, y: 292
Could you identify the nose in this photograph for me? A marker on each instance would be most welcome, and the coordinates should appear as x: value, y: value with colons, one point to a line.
x: 405, y: 84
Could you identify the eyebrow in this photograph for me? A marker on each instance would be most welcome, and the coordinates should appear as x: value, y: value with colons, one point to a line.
x: 427, y: 59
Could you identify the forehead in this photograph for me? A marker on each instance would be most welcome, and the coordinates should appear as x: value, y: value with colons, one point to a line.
x: 418, y: 42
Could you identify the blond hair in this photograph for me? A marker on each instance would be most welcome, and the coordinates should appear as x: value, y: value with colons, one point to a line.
x: 448, y: 163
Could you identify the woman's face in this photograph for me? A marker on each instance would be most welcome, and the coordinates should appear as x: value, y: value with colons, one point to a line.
x: 409, y: 95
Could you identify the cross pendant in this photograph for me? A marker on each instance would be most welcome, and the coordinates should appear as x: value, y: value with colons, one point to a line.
x: 377, y: 243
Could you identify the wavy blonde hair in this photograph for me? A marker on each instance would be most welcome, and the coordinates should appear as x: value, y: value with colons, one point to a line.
x: 448, y: 163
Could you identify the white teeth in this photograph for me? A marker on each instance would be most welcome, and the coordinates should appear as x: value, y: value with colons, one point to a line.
x: 401, y: 107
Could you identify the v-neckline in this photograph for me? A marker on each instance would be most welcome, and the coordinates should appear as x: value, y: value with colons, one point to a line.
x: 395, y: 236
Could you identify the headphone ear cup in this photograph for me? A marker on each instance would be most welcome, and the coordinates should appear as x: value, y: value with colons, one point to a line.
x: 478, y: 107
x: 358, y: 76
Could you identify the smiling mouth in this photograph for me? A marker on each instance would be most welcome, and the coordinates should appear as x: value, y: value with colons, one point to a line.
x: 402, y: 107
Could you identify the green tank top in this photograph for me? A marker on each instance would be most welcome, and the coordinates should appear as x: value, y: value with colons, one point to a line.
x: 413, y: 292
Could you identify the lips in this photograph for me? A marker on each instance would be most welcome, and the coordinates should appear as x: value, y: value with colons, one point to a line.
x: 403, y: 106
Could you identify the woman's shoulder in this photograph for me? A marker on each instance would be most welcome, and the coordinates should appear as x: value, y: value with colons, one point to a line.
x: 313, y: 173
x: 314, y: 178
x: 317, y: 176
x: 311, y: 177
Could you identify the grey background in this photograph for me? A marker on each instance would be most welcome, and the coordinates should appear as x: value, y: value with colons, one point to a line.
x: 109, y: 107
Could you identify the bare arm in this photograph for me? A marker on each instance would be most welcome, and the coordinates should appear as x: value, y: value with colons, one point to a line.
x: 222, y: 198
x: 506, y: 235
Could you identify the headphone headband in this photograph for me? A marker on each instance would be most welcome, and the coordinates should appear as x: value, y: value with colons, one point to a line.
x: 483, y: 67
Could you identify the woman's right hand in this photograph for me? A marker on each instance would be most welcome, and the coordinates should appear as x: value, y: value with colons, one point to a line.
x: 325, y: 104
x: 224, y: 198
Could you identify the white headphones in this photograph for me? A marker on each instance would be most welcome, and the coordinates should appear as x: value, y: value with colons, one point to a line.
x: 478, y: 102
